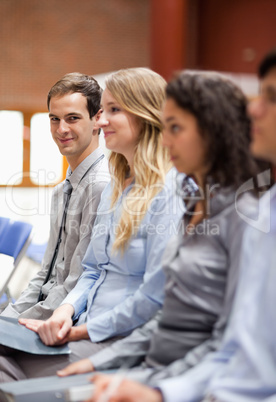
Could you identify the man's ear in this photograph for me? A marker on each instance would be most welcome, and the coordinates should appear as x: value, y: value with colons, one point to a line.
x: 96, y: 119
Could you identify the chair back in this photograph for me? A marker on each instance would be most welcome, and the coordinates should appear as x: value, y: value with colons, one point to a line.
x: 4, y: 222
x: 13, y: 237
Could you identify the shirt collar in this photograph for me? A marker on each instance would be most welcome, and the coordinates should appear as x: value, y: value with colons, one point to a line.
x: 76, y: 176
x: 273, y: 194
x: 268, y: 209
x: 217, y: 197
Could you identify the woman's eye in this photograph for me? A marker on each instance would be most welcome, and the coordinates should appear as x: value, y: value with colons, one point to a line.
x: 269, y: 95
x: 115, y: 109
x: 174, y: 128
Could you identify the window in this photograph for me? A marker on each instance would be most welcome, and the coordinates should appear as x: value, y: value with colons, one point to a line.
x: 45, y: 158
x: 11, y: 151
x: 28, y: 155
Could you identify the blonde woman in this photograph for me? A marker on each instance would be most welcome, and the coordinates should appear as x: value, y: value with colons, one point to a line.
x: 122, y: 284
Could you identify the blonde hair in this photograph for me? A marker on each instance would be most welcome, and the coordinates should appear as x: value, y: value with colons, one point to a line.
x: 141, y: 92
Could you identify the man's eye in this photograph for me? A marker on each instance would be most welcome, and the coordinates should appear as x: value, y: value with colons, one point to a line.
x: 54, y: 119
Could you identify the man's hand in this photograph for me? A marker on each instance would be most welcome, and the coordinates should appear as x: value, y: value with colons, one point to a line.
x: 31, y: 324
x: 56, y: 328
x: 127, y: 391
x: 80, y: 367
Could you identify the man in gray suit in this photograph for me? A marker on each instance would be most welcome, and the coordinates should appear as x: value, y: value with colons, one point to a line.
x: 74, y: 108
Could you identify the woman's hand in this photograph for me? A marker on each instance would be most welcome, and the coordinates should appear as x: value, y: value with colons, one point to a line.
x: 127, y: 391
x: 75, y: 334
x: 80, y: 367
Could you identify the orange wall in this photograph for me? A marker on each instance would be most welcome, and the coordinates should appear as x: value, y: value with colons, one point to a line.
x: 169, y: 35
x: 233, y: 35
x: 43, y: 40
x: 224, y: 35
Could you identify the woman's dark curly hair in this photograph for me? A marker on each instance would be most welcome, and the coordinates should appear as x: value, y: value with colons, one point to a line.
x: 219, y: 107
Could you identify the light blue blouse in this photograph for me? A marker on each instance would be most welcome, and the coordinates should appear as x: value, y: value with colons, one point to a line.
x: 119, y: 291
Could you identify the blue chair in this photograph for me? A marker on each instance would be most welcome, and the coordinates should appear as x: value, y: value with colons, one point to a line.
x: 36, y: 252
x: 15, y: 238
x: 4, y: 222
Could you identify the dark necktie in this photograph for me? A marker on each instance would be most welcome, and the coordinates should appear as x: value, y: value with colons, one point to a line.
x: 67, y: 190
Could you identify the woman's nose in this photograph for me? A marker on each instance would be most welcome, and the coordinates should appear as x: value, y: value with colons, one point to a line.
x: 256, y: 107
x: 102, y: 122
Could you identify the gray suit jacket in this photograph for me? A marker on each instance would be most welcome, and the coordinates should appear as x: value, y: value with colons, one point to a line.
x: 88, y: 184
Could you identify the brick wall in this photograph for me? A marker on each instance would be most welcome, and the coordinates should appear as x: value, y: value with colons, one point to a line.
x: 41, y: 40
